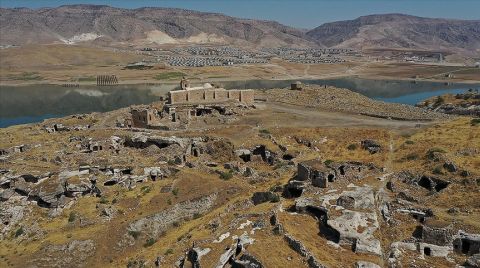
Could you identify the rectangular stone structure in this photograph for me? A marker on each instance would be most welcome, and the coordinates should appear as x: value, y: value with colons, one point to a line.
x: 199, y: 96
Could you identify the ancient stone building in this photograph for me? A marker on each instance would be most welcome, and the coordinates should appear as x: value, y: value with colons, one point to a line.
x: 315, y: 171
x: 437, y: 233
x: 144, y: 117
x: 468, y: 244
x: 190, y: 102
x: 208, y: 94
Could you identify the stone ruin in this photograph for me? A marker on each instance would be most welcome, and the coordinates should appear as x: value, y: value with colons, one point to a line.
x: 188, y: 103
x: 321, y: 174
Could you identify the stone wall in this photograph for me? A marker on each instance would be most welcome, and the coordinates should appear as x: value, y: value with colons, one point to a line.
x: 210, y: 96
x: 144, y: 117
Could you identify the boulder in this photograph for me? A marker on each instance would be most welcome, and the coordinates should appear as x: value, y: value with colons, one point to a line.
x: 473, y: 261
x: 366, y: 264
x: 371, y: 146
x: 450, y: 166
x: 263, y: 197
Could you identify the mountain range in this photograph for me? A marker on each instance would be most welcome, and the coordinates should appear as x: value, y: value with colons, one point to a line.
x: 105, y: 25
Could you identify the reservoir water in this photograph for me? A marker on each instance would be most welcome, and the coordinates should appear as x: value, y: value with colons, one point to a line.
x: 34, y: 103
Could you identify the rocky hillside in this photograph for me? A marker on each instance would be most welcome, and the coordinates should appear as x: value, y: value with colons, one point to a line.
x: 104, y: 24
x: 400, y: 31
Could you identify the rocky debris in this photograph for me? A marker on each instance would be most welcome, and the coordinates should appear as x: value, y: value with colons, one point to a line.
x: 107, y: 211
x: 247, y: 261
x: 346, y: 226
x: 465, y: 243
x: 232, y: 252
x: 417, y: 213
x: 344, y: 100
x: 431, y: 183
x: 155, y: 224
x: 371, y: 146
x: 450, y: 166
x: 141, y: 141
x: 294, y: 189
x: 467, y: 103
x: 73, y: 254
x: 155, y: 173
x: 78, y: 188
x: 298, y: 247
x: 10, y: 216
x: 116, y: 143
x: 360, y: 198
x: 473, y: 261
x: 195, y: 254
x: 278, y: 229
x: 321, y: 174
x: 366, y: 264
x: 262, y: 197
x: 423, y: 249
x: 437, y: 233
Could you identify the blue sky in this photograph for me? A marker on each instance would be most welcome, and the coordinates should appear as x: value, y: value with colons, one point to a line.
x: 297, y: 13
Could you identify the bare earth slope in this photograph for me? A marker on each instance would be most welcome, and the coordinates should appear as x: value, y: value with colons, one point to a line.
x: 400, y: 31
x: 77, y: 23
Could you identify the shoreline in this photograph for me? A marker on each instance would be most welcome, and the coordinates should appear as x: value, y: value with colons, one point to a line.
x: 256, y: 78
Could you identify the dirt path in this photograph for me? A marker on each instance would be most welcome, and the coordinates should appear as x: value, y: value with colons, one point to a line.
x: 309, y: 117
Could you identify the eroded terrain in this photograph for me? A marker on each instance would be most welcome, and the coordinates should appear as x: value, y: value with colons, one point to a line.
x: 298, y: 179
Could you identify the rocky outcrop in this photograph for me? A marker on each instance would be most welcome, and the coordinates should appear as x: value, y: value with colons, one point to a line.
x: 262, y: 197
x: 467, y: 103
x: 73, y: 254
x: 155, y: 224
x: 371, y: 146
x: 298, y: 247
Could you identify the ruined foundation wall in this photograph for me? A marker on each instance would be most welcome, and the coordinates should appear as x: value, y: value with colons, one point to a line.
x: 139, y: 119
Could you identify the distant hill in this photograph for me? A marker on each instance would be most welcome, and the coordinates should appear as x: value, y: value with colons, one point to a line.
x: 104, y: 25
x: 400, y: 31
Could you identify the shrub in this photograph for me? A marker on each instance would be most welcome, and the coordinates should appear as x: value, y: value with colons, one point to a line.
x: 226, y: 175
x: 440, y: 100
x: 197, y: 215
x: 169, y: 251
x: 352, y: 147
x: 328, y: 162
x: 103, y: 200
x: 146, y: 189
x: 432, y: 151
x: 475, y: 121
x: 437, y: 170
x: 409, y: 142
x: 169, y: 202
x: 149, y: 242
x: 175, y: 191
x: 134, y: 234
x: 412, y: 156
x: 72, y: 217
x: 169, y: 75
x: 19, y: 232
x: 176, y: 224
x: 264, y: 131
x: 279, y: 165
x: 275, y: 198
x: 171, y: 162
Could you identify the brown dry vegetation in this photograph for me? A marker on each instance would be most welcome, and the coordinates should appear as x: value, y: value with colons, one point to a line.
x: 330, y: 133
